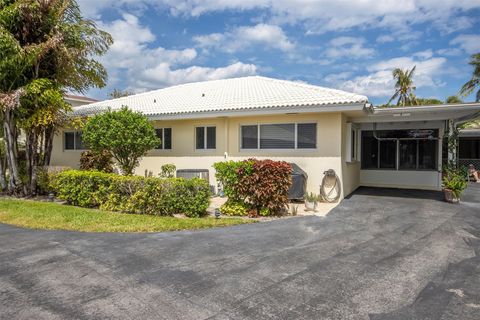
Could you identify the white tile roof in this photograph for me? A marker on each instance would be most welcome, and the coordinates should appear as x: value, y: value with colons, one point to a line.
x: 226, y: 95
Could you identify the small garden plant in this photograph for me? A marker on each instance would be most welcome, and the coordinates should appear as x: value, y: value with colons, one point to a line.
x: 254, y: 187
x: 454, y: 183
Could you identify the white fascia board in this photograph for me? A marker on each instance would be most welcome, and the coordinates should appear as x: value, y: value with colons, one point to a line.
x: 260, y: 111
x: 475, y: 106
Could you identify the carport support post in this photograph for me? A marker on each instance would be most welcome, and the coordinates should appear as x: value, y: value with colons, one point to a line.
x: 452, y: 142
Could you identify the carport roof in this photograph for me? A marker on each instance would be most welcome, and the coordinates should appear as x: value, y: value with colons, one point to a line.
x: 459, y: 112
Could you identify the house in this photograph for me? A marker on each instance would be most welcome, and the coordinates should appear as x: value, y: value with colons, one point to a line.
x: 76, y: 101
x: 469, y: 145
x: 314, y: 127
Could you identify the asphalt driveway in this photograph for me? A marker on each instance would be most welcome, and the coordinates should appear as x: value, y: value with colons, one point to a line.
x: 379, y: 255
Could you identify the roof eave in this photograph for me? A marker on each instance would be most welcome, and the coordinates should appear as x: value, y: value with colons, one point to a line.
x: 261, y: 111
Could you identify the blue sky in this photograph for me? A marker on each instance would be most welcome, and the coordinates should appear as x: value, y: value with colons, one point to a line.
x: 343, y: 44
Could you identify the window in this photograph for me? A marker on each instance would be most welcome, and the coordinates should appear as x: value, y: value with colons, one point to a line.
x: 402, y: 150
x: 353, y: 145
x: 279, y: 136
x: 165, y: 136
x: 249, y: 137
x: 73, y: 140
x: 205, y: 137
x: 307, y: 135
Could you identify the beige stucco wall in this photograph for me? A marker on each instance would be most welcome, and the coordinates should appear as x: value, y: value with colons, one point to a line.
x: 350, y: 170
x: 328, y: 154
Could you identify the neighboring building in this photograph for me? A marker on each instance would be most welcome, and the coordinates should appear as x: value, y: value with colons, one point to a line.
x: 469, y: 145
x: 316, y: 128
x: 77, y: 101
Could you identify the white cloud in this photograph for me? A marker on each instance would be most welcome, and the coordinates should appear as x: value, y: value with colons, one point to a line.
x: 244, y: 37
x: 317, y: 16
x: 134, y: 62
x: 385, y: 38
x: 470, y: 43
x: 348, y: 47
x: 163, y: 76
x: 380, y: 83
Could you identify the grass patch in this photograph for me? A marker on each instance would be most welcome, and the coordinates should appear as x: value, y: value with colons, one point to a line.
x: 54, y: 216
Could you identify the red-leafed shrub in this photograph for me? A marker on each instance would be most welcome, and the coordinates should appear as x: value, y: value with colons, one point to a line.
x: 262, y: 185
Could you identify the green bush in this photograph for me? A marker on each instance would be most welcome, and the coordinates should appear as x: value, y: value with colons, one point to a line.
x: 46, y: 178
x: 167, y: 171
x: 82, y: 188
x: 229, y: 173
x: 233, y: 208
x: 134, y: 194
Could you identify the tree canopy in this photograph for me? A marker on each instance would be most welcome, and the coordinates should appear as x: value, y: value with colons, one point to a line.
x: 404, y: 88
x: 127, y: 135
x: 471, y: 85
x: 46, y: 47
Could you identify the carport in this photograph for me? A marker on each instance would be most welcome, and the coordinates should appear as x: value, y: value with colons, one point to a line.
x: 404, y: 147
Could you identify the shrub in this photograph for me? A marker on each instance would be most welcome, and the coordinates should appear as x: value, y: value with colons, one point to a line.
x: 167, y: 170
x: 97, y: 161
x: 82, y: 188
x: 267, y: 186
x: 259, y: 184
x: 229, y: 174
x: 126, y: 134
x: 234, y: 208
x: 46, y: 178
x: 134, y: 194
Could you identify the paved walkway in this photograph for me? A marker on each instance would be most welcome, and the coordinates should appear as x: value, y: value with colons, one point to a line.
x: 381, y: 254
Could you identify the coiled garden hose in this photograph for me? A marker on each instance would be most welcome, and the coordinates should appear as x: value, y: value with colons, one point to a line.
x: 330, y: 188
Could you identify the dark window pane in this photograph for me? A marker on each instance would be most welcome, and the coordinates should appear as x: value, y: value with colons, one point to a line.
x: 158, y: 132
x: 469, y: 148
x: 408, y: 154
x: 78, y: 141
x: 388, y: 154
x: 69, y: 140
x: 369, y: 151
x: 307, y: 135
x: 353, y: 149
x: 249, y: 137
x: 211, y: 137
x: 200, y: 136
x: 277, y: 136
x: 427, y: 154
x: 167, y: 137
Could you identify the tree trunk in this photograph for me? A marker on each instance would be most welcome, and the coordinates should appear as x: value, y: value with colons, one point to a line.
x: 10, y: 134
x: 48, y: 145
x: 31, y: 149
x: 3, y: 181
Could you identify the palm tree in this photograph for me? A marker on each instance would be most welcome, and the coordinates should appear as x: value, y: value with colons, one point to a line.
x: 473, y: 83
x: 404, y: 88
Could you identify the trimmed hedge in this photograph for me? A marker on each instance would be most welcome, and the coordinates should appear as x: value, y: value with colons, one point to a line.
x: 133, y: 194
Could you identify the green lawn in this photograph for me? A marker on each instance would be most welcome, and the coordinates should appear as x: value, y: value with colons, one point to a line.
x: 54, y: 216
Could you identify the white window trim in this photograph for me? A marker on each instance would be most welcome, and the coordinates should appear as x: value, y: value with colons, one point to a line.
x: 295, y: 148
x: 349, y: 156
x: 204, y: 149
x: 163, y: 139
x: 74, y: 141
